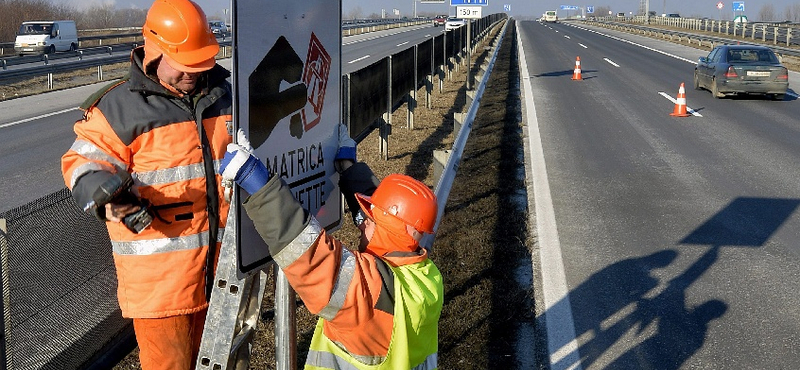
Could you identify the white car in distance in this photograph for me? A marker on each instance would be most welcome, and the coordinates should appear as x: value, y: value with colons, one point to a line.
x: 453, y: 23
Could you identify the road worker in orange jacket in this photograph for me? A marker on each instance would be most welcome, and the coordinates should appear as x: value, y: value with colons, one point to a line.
x: 166, y: 126
x: 379, y: 306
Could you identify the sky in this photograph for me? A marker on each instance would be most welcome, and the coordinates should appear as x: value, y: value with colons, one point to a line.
x: 521, y: 9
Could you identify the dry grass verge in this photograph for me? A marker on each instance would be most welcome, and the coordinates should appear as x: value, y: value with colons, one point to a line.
x: 482, y: 243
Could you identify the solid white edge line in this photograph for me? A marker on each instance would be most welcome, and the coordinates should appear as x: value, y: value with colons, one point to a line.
x: 562, y: 344
x: 37, y: 117
x: 583, y: 46
x: 675, y: 101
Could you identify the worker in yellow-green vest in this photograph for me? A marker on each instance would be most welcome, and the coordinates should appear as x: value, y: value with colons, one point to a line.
x: 379, y: 304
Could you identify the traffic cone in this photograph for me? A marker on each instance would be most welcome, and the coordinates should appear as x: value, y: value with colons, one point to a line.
x: 680, y: 104
x: 576, y: 74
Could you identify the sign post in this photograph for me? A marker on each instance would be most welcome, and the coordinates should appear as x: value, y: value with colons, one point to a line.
x: 470, y: 9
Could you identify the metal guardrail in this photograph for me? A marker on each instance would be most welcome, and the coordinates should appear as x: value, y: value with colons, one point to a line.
x: 701, y: 38
x: 348, y: 27
x: 445, y: 183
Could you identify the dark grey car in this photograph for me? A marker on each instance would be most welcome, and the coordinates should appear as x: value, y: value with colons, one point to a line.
x: 745, y: 69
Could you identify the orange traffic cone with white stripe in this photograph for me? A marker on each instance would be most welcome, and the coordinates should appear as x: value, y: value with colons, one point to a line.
x: 680, y: 104
x: 576, y: 74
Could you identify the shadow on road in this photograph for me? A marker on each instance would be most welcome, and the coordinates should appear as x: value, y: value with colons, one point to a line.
x: 646, y: 323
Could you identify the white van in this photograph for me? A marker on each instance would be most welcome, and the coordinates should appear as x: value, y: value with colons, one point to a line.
x: 39, y: 37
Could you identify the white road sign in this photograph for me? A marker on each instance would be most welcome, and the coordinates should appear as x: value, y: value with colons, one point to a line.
x: 468, y: 12
x: 287, y: 72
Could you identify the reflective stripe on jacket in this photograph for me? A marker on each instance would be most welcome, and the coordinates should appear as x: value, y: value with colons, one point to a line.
x: 414, y: 339
x: 141, y: 127
x: 382, y: 312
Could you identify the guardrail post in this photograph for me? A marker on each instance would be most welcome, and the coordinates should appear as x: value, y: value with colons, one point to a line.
x: 109, y: 49
x: 80, y: 54
x: 469, y: 56
x: 46, y: 59
x: 788, y: 37
x: 412, y: 95
x: 5, y: 65
x: 458, y: 120
x: 429, y: 77
x: 440, y: 158
x: 386, y: 122
x: 443, y: 73
x: 346, y: 101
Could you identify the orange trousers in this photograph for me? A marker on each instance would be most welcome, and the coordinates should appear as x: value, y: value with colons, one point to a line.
x: 169, y: 343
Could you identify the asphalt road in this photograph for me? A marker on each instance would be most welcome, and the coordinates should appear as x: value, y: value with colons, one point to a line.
x: 37, y: 130
x: 665, y: 242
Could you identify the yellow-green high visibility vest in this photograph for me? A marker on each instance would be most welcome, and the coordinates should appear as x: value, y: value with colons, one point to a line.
x: 419, y: 293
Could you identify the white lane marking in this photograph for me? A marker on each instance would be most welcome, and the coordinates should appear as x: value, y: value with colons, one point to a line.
x: 583, y: 46
x: 402, y: 43
x: 635, y: 44
x: 675, y: 101
x: 358, y: 60
x: 37, y: 117
x: 402, y: 30
x: 567, y: 36
x: 561, y: 341
x: 611, y: 62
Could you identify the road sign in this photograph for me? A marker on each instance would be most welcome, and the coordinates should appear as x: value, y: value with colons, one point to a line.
x: 590, y: 9
x: 469, y: 2
x: 287, y: 100
x: 506, y: 7
x: 569, y: 7
x: 469, y: 12
x: 720, y: 5
x: 738, y: 6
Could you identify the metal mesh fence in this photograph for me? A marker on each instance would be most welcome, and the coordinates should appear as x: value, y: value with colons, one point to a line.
x: 59, y: 288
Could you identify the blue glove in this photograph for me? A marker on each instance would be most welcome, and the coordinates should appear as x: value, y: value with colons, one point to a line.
x: 241, y: 166
x: 346, y: 154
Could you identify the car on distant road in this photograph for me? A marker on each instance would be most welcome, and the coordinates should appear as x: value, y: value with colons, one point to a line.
x: 742, y: 69
x: 439, y: 20
x: 218, y: 27
x: 453, y: 23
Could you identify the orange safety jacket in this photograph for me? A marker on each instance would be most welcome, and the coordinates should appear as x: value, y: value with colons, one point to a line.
x: 171, y: 145
x: 352, y: 292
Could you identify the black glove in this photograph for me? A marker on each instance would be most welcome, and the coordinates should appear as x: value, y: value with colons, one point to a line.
x: 358, y: 178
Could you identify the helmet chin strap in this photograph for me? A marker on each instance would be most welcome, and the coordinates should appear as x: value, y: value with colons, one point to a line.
x: 414, y: 233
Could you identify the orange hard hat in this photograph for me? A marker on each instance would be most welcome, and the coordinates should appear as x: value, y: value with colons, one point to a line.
x: 179, y: 29
x: 406, y: 199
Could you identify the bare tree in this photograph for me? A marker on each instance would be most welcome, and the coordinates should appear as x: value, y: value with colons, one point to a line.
x: 602, y: 11
x: 101, y: 16
x: 130, y: 17
x: 355, y: 13
x: 767, y: 13
x: 796, y: 12
x: 14, y: 12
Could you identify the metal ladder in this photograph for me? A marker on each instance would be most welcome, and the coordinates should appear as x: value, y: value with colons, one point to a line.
x: 234, y: 310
